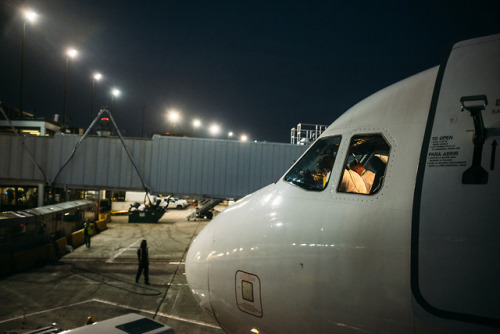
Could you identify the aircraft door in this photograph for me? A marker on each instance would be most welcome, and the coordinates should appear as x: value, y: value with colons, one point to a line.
x: 456, y: 222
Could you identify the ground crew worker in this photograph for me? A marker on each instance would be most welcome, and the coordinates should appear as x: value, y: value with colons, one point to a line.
x: 87, y: 232
x: 143, y: 261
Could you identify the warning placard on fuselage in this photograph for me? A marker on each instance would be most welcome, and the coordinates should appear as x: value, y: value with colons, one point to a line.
x: 444, y: 152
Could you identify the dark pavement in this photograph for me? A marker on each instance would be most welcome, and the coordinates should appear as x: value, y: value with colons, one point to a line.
x: 100, y: 281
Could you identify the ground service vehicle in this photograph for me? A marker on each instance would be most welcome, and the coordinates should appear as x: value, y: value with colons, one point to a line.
x: 128, y: 323
x: 29, y: 228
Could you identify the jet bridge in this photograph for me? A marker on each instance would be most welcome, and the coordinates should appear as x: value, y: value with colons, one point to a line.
x: 178, y: 165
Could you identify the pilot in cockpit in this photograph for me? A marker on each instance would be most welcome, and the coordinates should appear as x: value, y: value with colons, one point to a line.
x: 351, y: 181
x: 367, y: 175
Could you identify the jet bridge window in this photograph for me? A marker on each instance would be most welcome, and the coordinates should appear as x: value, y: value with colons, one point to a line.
x: 312, y: 171
x: 365, y: 165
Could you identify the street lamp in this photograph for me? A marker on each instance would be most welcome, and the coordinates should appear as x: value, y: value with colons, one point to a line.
x: 173, y: 117
x: 243, y: 138
x: 196, y: 123
x: 214, y: 129
x: 115, y: 92
x: 95, y: 77
x: 29, y: 16
x: 196, y: 126
x: 70, y: 53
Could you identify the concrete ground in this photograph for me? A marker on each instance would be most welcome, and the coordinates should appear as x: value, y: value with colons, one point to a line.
x: 100, y: 281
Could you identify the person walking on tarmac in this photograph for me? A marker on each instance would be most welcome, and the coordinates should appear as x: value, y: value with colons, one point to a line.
x: 87, y: 232
x: 143, y: 261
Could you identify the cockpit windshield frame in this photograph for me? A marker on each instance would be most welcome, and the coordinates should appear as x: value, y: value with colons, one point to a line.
x: 363, y: 169
x: 313, y: 170
x: 365, y: 164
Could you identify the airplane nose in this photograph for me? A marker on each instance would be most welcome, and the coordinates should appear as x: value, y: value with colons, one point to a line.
x: 197, y: 266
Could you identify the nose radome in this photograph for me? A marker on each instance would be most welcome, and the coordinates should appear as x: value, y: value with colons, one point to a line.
x: 197, y: 266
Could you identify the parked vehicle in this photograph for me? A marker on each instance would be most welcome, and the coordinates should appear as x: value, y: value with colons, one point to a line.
x: 174, y: 202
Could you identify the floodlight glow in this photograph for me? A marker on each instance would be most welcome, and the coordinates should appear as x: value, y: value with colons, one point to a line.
x: 174, y: 116
x: 230, y: 134
x: 30, y: 15
x: 214, y: 129
x: 243, y: 138
x: 71, y: 53
x: 97, y: 76
x: 116, y: 92
x: 196, y: 123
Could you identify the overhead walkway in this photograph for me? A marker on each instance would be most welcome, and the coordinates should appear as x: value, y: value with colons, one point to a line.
x: 176, y: 165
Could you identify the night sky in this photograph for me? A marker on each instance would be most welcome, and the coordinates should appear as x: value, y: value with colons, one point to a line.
x: 254, y: 67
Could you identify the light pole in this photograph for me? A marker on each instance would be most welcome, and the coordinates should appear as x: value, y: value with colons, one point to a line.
x: 70, y: 53
x: 29, y: 16
x: 96, y: 77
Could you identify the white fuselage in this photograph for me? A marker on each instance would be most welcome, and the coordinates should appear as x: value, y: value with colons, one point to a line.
x: 290, y: 260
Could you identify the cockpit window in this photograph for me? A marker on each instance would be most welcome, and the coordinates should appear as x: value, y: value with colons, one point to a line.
x: 365, y: 166
x: 312, y: 172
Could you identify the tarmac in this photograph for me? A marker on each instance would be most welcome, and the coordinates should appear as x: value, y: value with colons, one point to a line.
x: 99, y: 281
